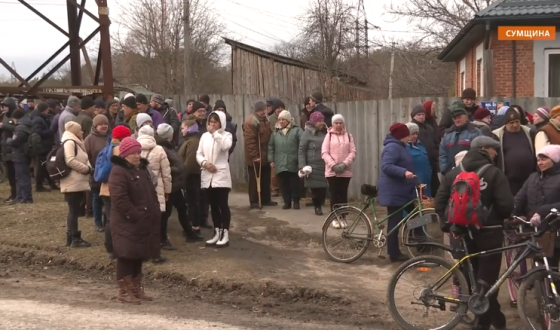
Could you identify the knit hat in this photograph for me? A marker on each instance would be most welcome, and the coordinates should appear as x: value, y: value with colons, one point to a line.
x: 141, y: 98
x: 100, y: 120
x: 413, y: 128
x: 551, y: 151
x: 52, y: 103
x: 73, y: 127
x: 502, y: 110
x: 285, y: 114
x: 129, y: 146
x: 99, y: 103
x: 511, y: 115
x: 128, y: 95
x: 484, y: 141
x: 259, y: 106
x: 130, y: 102
x: 120, y: 132
x: 271, y: 101
x: 146, y: 130
x: 278, y: 104
x: 543, y: 112
x: 555, y: 112
x: 169, y: 102
x: 197, y: 106
x: 165, y: 130
x: 481, y: 113
x: 416, y: 110
x: 220, y: 104
x: 316, y: 117
x: 111, y: 102
x: 428, y: 107
x: 142, y: 118
x: 87, y: 103
x: 399, y: 131
x: 468, y: 93
x: 317, y: 97
x: 338, y: 117
x: 42, y: 107
x: 458, y: 108
x: 158, y: 98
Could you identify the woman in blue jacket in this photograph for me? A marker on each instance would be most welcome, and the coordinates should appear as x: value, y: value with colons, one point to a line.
x: 420, y: 158
x: 396, y: 183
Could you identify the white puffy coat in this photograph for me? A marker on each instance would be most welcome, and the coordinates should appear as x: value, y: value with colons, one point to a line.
x: 78, y: 179
x: 214, y: 148
x: 158, y: 164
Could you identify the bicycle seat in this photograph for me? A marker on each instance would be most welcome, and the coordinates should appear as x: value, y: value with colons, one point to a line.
x: 369, y: 190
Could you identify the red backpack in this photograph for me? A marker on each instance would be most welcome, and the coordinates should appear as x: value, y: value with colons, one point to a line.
x: 464, y: 207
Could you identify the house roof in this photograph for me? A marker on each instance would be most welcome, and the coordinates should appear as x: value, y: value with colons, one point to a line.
x: 344, y: 78
x: 500, y: 10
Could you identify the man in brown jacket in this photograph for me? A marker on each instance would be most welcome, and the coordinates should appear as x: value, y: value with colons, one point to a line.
x: 257, y: 132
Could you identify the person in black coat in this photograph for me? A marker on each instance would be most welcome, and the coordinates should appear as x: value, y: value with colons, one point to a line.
x: 40, y: 118
x: 316, y: 103
x: 230, y: 125
x: 21, y: 159
x: 429, y: 139
x: 8, y: 105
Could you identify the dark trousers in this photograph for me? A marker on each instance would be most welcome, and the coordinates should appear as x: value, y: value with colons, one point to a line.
x: 42, y: 173
x: 289, y: 186
x: 487, y: 268
x: 204, y: 206
x: 176, y: 199
x: 265, y: 184
x: 74, y: 200
x: 97, y: 206
x: 393, y: 249
x: 107, y: 211
x: 338, y: 188
x: 23, y: 181
x: 194, y: 194
x: 221, y: 215
x: 128, y: 267
x: 435, y: 183
x: 318, y: 196
x: 10, y: 168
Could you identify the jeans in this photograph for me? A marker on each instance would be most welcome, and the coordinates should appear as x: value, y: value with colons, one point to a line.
x: 97, y: 207
x: 289, y: 186
x: 107, y: 210
x: 74, y: 200
x: 177, y: 200
x: 221, y: 215
x: 23, y: 181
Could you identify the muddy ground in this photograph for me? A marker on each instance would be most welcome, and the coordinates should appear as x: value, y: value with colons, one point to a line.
x: 270, y: 270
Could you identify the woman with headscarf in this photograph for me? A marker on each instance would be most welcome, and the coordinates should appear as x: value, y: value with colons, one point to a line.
x: 134, y: 210
x: 283, y: 151
x: 420, y: 158
x: 339, y: 152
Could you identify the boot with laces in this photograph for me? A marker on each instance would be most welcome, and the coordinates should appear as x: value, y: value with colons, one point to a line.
x: 216, y: 238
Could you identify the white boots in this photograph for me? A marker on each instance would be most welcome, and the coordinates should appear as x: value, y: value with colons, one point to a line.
x: 220, y: 239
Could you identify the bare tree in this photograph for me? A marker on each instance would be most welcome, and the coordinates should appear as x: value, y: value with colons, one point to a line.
x: 438, y: 20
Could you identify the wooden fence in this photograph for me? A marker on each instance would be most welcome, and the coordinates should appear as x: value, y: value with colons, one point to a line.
x: 367, y: 121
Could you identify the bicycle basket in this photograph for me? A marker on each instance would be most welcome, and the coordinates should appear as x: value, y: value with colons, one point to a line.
x: 427, y: 202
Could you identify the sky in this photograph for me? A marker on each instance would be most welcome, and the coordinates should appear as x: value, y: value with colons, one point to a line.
x: 247, y: 21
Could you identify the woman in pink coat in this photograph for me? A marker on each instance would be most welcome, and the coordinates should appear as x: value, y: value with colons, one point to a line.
x: 338, y: 152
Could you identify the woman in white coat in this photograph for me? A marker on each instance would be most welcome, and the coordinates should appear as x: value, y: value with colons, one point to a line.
x: 161, y: 171
x: 212, y: 155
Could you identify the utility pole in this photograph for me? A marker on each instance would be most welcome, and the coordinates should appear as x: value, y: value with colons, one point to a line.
x: 391, y: 70
x: 187, y: 48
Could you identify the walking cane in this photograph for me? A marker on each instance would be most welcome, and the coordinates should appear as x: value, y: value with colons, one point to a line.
x: 258, y: 177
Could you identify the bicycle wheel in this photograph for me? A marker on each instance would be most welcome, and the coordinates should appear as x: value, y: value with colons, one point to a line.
x: 423, y: 299
x: 513, y: 283
x: 546, y: 313
x: 428, y: 233
x: 358, y: 237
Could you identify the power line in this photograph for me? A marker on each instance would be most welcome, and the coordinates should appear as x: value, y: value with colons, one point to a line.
x: 249, y: 29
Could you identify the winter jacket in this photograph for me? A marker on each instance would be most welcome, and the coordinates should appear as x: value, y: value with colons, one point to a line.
x: 86, y: 121
x: 327, y: 113
x: 54, y: 127
x: 78, y: 179
x: 214, y: 148
x: 283, y: 149
x: 422, y: 167
x: 256, y: 133
x: 177, y: 166
x: 497, y: 122
x: 494, y: 188
x: 42, y: 127
x: 393, y: 186
x: 536, y: 129
x: 310, y: 144
x: 22, y: 132
x: 187, y: 152
x: 66, y: 116
x: 104, y: 189
x: 273, y: 120
x: 429, y: 138
x: 94, y: 143
x: 446, y: 121
x: 158, y: 163
x: 455, y: 140
x: 483, y: 127
x: 135, y: 211
x: 8, y: 127
x: 499, y: 133
x: 169, y: 116
x: 549, y: 134
x: 338, y: 148
x: 231, y: 127
x: 156, y: 117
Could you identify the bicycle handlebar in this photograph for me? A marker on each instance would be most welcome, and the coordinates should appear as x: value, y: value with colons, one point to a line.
x: 547, y: 223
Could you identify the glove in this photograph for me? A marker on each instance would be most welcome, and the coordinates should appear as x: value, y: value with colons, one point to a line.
x: 535, y: 220
x: 339, y: 168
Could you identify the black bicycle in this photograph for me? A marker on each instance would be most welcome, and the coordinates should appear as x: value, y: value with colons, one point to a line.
x: 432, y: 297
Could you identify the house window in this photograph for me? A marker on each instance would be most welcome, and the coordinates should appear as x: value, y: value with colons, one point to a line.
x: 552, y: 66
x: 478, y: 77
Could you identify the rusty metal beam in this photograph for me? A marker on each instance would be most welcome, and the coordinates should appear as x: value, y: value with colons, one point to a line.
x: 75, y: 4
x: 88, y: 63
x: 98, y: 67
x: 13, y: 72
x: 75, y: 57
x: 45, y: 18
x: 105, y: 46
x: 49, y: 60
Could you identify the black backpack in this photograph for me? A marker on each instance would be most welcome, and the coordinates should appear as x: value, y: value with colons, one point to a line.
x: 56, y: 162
x: 33, y: 146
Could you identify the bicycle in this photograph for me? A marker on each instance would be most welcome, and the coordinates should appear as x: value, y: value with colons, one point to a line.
x: 413, y: 227
x: 477, y: 302
x: 514, y: 232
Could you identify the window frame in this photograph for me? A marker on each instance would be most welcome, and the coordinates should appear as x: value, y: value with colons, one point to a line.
x: 547, y: 54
